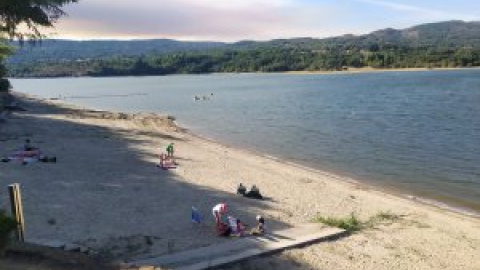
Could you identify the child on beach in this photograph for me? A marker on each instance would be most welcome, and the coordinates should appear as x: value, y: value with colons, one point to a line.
x: 260, y: 228
x: 170, y: 150
x: 237, y: 227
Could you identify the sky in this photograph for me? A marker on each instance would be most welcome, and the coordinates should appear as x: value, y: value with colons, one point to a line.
x: 235, y: 20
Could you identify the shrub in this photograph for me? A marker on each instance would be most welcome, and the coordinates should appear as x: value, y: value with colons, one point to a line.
x: 7, y: 225
x: 5, y: 85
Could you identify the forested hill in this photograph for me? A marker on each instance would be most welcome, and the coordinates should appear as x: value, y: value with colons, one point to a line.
x: 52, y: 50
x: 452, y: 34
x: 444, y: 44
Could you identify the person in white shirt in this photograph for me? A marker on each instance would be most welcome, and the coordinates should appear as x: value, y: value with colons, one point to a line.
x: 219, y: 211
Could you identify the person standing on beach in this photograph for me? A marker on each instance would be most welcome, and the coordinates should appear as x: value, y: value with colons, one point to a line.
x: 170, y: 150
x: 219, y: 211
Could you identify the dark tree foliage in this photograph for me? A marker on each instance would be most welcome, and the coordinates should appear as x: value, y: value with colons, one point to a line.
x: 32, y: 13
x: 254, y: 60
x: 5, y: 50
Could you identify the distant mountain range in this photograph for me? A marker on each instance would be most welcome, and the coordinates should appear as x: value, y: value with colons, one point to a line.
x: 451, y: 34
x: 452, y: 43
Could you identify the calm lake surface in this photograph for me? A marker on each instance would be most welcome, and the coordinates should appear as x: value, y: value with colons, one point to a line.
x: 415, y: 132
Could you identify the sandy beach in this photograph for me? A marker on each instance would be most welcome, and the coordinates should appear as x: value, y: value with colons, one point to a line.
x: 105, y: 192
x: 353, y: 70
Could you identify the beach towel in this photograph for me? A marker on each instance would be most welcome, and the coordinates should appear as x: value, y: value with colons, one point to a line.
x: 28, y: 156
x: 24, y: 156
x: 166, y: 162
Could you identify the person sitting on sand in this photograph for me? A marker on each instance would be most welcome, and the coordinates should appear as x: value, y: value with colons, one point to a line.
x: 254, y: 193
x: 223, y: 229
x: 237, y: 226
x: 28, y: 146
x: 241, y: 190
x: 47, y: 159
x: 260, y: 228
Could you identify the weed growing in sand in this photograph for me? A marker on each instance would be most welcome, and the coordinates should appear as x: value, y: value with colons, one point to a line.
x: 381, y: 217
x: 350, y: 224
x: 385, y: 216
x: 353, y: 224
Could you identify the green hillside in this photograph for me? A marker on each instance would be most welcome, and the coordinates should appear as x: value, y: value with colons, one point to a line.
x: 444, y: 44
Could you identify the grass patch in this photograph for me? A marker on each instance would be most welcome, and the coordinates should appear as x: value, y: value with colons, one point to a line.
x: 354, y: 224
x: 350, y: 224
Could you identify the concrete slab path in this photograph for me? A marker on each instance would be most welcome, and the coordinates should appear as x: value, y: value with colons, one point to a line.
x: 242, y: 248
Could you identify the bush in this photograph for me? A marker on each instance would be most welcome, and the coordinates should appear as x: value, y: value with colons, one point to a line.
x: 7, y: 225
x: 5, y: 85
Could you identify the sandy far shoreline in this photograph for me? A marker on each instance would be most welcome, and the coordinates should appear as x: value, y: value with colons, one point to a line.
x: 105, y: 192
x: 351, y: 70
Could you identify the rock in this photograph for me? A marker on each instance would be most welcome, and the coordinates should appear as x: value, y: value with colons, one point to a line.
x: 49, y: 243
x: 52, y: 221
x: 72, y: 247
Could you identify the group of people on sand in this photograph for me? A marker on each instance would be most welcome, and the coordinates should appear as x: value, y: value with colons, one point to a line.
x: 253, y: 193
x: 167, y: 161
x: 227, y: 225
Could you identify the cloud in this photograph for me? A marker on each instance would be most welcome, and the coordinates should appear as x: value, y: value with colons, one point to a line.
x: 233, y: 20
x: 168, y: 18
x: 240, y: 4
x: 428, y: 13
x: 396, y: 6
x: 198, y: 20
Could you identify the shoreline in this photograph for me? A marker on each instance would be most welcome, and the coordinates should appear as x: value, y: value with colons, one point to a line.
x: 106, y: 193
x: 403, y: 193
x: 363, y: 70
x: 339, y: 176
x: 379, y: 70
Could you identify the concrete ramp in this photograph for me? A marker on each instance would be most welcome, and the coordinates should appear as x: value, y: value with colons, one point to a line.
x: 242, y: 248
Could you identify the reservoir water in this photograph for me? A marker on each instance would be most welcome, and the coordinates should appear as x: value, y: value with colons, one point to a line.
x: 415, y: 132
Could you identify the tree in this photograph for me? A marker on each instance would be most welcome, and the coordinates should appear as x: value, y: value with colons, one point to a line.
x: 5, y: 50
x: 30, y: 13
